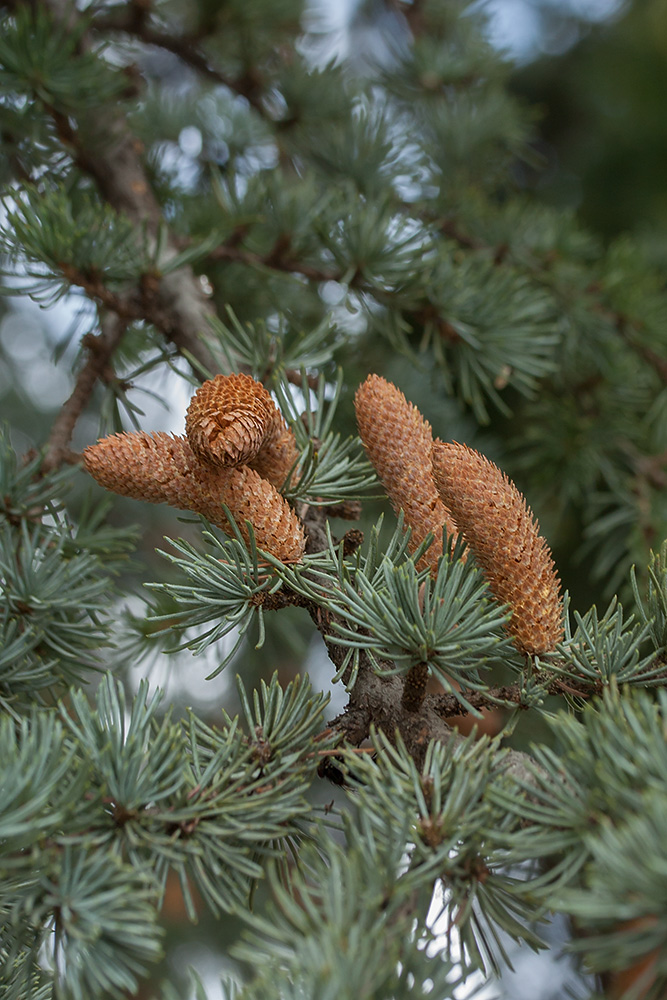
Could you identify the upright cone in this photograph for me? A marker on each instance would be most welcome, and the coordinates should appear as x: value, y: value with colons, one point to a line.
x: 500, y: 528
x: 398, y: 442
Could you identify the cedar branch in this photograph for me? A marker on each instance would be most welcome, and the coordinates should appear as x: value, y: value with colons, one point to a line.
x: 104, y: 147
x: 132, y: 20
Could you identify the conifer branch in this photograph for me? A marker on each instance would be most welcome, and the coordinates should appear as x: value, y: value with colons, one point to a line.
x: 392, y: 705
x: 104, y: 803
x: 104, y: 147
x: 277, y: 259
x: 376, y: 703
x: 652, y: 358
x: 127, y: 307
x: 507, y: 695
x: 451, y: 228
x: 132, y: 20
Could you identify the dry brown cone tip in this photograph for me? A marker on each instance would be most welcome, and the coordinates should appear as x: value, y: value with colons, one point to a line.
x: 161, y: 468
x: 232, y: 420
x: 398, y: 442
x: 500, y: 528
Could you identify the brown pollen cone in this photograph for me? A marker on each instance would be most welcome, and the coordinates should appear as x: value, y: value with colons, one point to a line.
x: 500, y: 528
x: 161, y: 468
x: 398, y: 442
x: 232, y: 420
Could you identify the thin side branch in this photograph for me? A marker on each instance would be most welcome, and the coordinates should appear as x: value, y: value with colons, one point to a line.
x: 100, y: 350
x: 131, y: 20
x: 275, y: 261
x: 651, y: 357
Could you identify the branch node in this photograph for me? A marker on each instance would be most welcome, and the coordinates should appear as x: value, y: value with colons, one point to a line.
x: 415, y: 687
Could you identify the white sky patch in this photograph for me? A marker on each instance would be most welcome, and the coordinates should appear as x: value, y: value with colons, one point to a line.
x: 319, y: 669
x: 516, y: 27
x: 182, y: 675
x: 190, y: 140
x: 513, y: 27
x: 24, y: 340
x: 46, y: 383
x: 206, y: 963
x: 327, y: 24
x: 22, y: 336
x: 447, y: 940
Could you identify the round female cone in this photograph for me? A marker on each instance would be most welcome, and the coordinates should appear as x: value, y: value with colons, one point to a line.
x: 232, y: 420
x: 398, y: 442
x: 161, y: 468
x: 500, y: 529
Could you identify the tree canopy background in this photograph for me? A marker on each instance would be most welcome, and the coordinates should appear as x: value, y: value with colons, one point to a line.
x: 393, y: 199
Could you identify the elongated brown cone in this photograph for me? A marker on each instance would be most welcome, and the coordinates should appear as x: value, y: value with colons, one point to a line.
x: 398, y: 442
x: 232, y: 420
x: 161, y: 468
x: 500, y: 528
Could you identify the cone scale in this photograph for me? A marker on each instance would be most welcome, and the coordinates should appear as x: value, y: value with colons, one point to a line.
x: 232, y: 420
